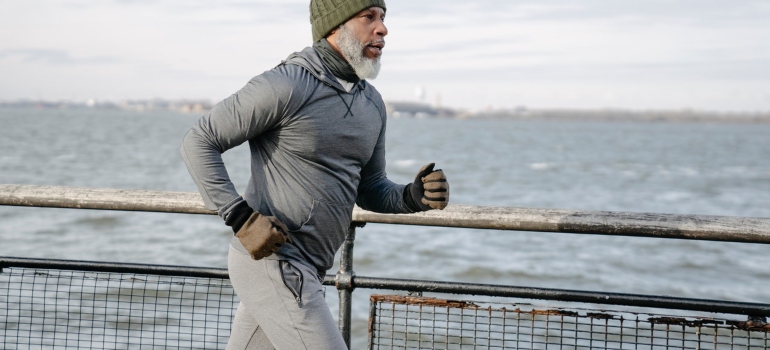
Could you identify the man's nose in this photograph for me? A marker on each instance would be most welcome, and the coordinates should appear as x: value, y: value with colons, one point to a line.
x: 381, y: 29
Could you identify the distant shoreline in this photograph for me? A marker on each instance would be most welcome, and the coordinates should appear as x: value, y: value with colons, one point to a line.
x: 184, y: 106
x: 611, y: 115
x: 419, y: 110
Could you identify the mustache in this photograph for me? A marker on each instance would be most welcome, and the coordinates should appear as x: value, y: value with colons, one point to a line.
x: 373, y: 42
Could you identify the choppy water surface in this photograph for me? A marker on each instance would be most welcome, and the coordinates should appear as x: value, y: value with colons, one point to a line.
x: 714, y: 169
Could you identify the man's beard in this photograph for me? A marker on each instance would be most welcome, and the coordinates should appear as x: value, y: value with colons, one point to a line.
x: 353, y: 51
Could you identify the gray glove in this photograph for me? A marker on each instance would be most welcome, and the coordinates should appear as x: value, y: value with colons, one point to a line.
x: 430, y: 190
x: 262, y: 235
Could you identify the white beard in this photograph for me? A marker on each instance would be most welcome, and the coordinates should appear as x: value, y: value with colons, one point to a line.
x: 353, y: 51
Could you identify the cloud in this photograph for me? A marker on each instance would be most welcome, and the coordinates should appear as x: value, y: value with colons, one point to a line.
x: 707, y: 12
x: 738, y: 70
x: 56, y: 57
x: 228, y: 13
x: 203, y: 48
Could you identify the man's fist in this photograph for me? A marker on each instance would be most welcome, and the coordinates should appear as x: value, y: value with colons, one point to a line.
x: 430, y: 190
x: 262, y: 235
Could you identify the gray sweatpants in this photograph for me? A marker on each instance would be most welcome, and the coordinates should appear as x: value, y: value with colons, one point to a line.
x: 282, y: 306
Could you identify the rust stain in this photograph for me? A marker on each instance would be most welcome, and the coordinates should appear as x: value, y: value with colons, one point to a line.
x: 371, y: 326
x: 399, y: 299
x: 555, y: 313
x: 756, y: 326
x: 600, y: 315
x: 673, y: 321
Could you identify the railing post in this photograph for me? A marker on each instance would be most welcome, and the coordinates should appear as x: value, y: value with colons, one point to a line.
x: 344, y: 282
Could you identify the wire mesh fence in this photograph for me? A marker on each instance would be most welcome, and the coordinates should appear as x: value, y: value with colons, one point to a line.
x: 399, y: 322
x: 61, y: 309
x: 42, y: 308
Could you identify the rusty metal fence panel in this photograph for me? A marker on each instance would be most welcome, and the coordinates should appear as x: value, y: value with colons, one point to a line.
x: 402, y: 322
x: 63, y: 309
x: 89, y: 305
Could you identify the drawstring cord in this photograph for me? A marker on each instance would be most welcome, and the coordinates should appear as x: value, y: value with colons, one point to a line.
x: 347, y: 105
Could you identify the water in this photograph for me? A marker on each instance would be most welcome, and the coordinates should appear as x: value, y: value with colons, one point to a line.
x: 712, y: 169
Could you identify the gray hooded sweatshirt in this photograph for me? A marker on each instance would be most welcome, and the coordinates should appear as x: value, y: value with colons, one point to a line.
x: 316, y: 150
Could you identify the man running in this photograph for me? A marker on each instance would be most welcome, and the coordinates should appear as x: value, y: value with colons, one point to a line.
x: 316, y: 131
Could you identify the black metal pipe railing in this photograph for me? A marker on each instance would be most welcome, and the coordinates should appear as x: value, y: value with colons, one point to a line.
x: 102, y: 266
x: 604, y: 298
x: 362, y: 282
x: 344, y: 282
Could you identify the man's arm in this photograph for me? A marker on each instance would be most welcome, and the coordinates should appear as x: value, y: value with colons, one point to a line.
x: 257, y: 107
x: 430, y: 189
x: 375, y: 191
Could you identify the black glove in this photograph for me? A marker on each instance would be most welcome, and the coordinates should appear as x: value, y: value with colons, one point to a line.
x: 430, y: 190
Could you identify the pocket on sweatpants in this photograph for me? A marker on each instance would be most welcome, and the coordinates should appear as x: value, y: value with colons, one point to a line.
x: 293, y: 280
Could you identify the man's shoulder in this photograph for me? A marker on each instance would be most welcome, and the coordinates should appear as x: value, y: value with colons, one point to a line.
x: 284, y: 77
x: 372, y: 92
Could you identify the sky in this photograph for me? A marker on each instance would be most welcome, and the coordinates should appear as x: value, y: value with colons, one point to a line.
x: 475, y: 55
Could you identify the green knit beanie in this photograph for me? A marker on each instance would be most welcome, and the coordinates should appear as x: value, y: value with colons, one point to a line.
x: 325, y: 15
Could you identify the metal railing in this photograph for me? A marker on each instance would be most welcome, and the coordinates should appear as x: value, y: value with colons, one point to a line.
x: 406, y: 322
x: 65, y: 304
x: 696, y: 227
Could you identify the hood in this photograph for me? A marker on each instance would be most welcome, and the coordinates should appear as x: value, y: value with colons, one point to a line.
x: 309, y: 59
